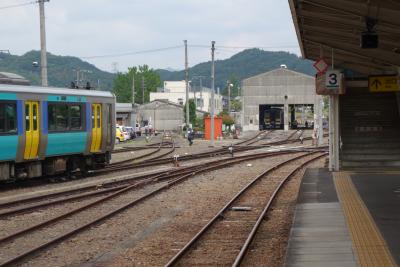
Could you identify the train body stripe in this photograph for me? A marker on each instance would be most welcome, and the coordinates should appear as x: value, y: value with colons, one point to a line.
x: 66, y: 98
x: 8, y: 96
x: 8, y: 147
x: 66, y: 143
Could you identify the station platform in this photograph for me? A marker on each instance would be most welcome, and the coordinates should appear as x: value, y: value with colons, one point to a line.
x: 346, y: 219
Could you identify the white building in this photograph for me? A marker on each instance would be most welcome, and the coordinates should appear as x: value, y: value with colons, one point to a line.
x: 175, y: 92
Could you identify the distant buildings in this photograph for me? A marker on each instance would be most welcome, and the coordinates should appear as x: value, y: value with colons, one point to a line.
x: 175, y: 92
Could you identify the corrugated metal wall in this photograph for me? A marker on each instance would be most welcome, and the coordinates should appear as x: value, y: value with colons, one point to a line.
x: 167, y: 117
x: 271, y: 88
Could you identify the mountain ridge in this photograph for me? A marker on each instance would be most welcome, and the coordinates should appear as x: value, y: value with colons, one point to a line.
x: 247, y: 63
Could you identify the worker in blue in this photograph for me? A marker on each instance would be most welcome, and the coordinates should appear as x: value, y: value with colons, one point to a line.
x: 190, y: 136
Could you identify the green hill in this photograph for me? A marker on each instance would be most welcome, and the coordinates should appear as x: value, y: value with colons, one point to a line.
x: 60, y: 69
x: 240, y: 66
x: 245, y: 64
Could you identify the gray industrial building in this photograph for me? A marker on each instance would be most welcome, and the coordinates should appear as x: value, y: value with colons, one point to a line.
x: 279, y: 99
x: 125, y: 113
x: 162, y: 115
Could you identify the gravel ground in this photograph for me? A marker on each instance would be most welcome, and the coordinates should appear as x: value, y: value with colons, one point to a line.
x: 145, y: 235
x: 154, y: 223
x: 184, y: 150
x: 269, y: 245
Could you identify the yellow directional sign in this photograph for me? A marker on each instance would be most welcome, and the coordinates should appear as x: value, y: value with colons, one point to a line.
x: 383, y: 83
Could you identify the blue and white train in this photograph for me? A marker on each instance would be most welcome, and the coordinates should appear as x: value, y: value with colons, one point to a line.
x: 47, y: 131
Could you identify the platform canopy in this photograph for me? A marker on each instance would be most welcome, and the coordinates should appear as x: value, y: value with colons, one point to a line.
x: 338, y: 25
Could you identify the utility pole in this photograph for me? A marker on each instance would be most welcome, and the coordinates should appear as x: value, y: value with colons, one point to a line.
x: 229, y: 97
x: 201, y: 93
x: 212, y: 91
x: 142, y: 90
x: 77, y: 78
x: 43, y: 55
x: 187, y: 83
x: 133, y: 88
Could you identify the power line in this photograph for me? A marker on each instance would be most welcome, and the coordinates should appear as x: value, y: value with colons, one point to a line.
x: 221, y: 48
x: 135, y: 53
x: 19, y: 5
x: 245, y: 47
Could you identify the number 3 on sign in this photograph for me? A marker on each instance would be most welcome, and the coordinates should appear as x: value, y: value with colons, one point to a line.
x: 332, y: 78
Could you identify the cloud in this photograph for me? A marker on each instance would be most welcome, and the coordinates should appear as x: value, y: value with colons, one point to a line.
x: 99, y: 27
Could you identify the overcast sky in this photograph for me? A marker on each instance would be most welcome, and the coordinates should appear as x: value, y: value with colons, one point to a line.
x: 86, y: 28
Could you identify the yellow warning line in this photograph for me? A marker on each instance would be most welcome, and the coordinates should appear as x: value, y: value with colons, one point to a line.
x: 368, y: 243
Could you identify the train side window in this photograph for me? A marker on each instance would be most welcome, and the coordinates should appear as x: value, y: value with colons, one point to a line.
x: 35, y: 119
x: 93, y: 118
x: 65, y: 117
x: 51, y: 109
x: 2, y: 120
x: 11, y: 118
x: 98, y: 116
x: 8, y: 118
x: 57, y: 117
x: 61, y: 117
x: 75, y: 112
x: 109, y: 122
x: 27, y: 124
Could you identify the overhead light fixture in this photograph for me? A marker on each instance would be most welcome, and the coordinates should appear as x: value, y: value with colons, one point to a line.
x: 369, y: 38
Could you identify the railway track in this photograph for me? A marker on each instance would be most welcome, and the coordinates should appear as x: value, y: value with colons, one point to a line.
x: 131, y: 164
x: 160, y: 182
x: 53, y: 198
x: 134, y: 160
x: 225, y: 239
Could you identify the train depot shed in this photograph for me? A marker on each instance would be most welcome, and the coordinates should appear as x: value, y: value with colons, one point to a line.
x: 279, y: 99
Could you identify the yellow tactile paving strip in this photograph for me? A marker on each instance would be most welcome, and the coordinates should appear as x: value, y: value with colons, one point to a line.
x: 368, y: 243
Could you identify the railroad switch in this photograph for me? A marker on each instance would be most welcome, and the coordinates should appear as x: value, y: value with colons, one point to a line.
x: 231, y: 150
x: 176, y: 162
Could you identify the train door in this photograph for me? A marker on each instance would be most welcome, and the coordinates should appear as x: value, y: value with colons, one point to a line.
x: 32, y: 131
x: 96, y: 128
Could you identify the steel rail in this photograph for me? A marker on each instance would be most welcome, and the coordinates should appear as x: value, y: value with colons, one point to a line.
x: 109, y: 214
x: 93, y: 187
x: 124, y: 162
x: 219, y: 214
x: 253, y: 232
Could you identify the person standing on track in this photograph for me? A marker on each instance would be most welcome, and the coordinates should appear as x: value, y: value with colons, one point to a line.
x: 190, y: 136
x: 314, y: 136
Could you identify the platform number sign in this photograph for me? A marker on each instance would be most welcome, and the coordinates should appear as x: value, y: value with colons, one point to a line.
x: 333, y: 79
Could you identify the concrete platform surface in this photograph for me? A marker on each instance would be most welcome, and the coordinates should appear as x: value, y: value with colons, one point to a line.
x: 319, y: 235
x: 346, y: 219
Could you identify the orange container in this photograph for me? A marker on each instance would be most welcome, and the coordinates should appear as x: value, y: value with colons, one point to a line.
x: 217, y: 127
